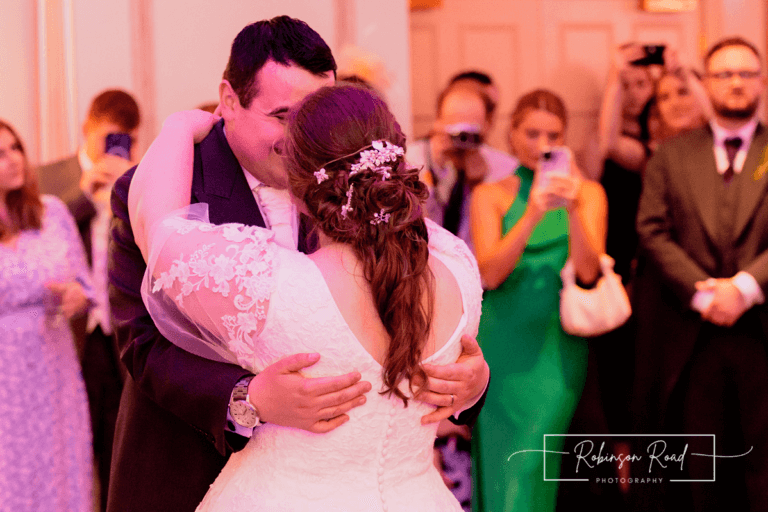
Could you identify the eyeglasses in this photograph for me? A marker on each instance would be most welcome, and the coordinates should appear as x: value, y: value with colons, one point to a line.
x: 727, y: 75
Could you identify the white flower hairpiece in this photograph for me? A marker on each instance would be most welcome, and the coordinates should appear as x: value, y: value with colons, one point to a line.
x: 321, y: 175
x: 380, y: 217
x: 348, y: 207
x: 376, y: 159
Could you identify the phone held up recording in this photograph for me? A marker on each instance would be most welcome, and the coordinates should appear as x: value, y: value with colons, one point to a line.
x: 118, y: 144
x: 653, y: 54
x: 554, y: 161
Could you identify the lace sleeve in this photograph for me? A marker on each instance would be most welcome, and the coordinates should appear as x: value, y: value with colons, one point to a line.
x: 208, y: 287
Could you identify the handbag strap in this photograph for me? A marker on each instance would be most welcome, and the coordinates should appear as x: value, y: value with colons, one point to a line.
x: 568, y: 273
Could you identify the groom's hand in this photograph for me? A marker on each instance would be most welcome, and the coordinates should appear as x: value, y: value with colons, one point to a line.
x: 283, y: 396
x: 453, y: 386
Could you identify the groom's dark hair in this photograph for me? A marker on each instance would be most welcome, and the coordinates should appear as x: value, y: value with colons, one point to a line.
x: 282, y: 39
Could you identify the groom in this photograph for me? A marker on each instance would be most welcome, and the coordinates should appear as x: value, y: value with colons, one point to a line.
x: 175, y: 430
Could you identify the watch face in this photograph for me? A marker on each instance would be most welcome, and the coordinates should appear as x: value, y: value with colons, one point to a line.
x: 242, y: 414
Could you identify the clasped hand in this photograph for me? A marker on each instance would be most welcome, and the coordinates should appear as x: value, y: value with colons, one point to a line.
x: 68, y: 299
x: 453, y: 387
x: 727, y: 305
x: 559, y: 191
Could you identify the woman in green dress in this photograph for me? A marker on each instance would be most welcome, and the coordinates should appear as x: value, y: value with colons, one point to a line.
x: 523, y: 231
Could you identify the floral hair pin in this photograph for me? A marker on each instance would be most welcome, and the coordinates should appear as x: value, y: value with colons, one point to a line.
x: 348, y: 207
x: 380, y: 217
x: 375, y: 159
x: 321, y: 175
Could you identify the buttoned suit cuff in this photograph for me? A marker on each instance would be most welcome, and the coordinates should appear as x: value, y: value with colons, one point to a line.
x: 750, y: 290
x: 472, y: 403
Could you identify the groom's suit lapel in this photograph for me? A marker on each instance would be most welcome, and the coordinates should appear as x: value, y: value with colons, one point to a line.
x: 219, y: 181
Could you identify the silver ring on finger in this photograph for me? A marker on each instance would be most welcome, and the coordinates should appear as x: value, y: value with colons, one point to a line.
x: 453, y: 399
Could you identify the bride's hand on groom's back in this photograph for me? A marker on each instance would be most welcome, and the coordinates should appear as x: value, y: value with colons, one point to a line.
x: 283, y: 396
x: 194, y: 123
x: 453, y: 387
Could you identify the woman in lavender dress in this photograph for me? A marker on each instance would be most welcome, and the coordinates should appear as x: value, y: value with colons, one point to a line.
x: 45, y: 436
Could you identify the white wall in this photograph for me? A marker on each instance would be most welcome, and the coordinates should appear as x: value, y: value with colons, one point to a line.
x: 193, y: 38
x: 385, y: 32
x: 103, y: 57
x: 190, y: 45
x: 17, y: 72
x: 745, y: 18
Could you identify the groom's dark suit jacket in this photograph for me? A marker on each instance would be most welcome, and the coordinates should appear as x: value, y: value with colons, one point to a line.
x: 682, y: 242
x: 171, y: 441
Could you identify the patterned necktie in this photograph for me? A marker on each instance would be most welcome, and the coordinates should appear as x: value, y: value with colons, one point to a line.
x: 732, y: 146
x: 278, y: 209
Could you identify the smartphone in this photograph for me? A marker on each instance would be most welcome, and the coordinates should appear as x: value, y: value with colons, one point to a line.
x: 554, y: 161
x: 652, y: 54
x: 118, y: 144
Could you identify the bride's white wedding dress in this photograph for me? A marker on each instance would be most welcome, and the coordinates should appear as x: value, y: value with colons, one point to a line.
x: 266, y: 302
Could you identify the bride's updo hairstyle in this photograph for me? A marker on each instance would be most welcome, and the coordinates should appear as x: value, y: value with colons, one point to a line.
x: 329, y: 130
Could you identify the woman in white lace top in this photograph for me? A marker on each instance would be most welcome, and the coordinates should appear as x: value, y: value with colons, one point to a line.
x: 386, y: 292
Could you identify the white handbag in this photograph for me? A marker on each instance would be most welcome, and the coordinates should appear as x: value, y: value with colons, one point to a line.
x: 595, y: 311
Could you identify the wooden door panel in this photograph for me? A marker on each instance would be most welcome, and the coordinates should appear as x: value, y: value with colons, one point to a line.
x: 562, y: 45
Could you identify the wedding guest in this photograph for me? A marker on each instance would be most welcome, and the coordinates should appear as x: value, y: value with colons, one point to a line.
x: 45, y: 436
x: 680, y: 103
x: 84, y: 181
x: 484, y: 83
x: 702, y: 332
x: 455, y: 158
x: 524, y: 230
x: 623, y: 147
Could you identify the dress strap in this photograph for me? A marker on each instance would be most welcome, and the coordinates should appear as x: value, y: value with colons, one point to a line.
x: 526, y: 181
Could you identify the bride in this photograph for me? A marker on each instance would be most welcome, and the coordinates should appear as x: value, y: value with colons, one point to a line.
x: 386, y: 292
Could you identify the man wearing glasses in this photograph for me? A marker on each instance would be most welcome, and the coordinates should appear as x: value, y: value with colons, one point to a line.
x: 703, y: 226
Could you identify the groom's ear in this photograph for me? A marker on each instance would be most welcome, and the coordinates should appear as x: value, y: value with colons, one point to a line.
x: 228, y: 100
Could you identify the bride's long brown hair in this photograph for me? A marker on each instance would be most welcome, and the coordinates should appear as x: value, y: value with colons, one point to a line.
x: 328, y: 130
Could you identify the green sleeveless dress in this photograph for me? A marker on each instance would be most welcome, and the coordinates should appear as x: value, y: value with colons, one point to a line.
x: 537, y: 370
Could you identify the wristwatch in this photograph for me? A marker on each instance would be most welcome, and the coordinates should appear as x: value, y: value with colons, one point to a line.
x: 240, y: 407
